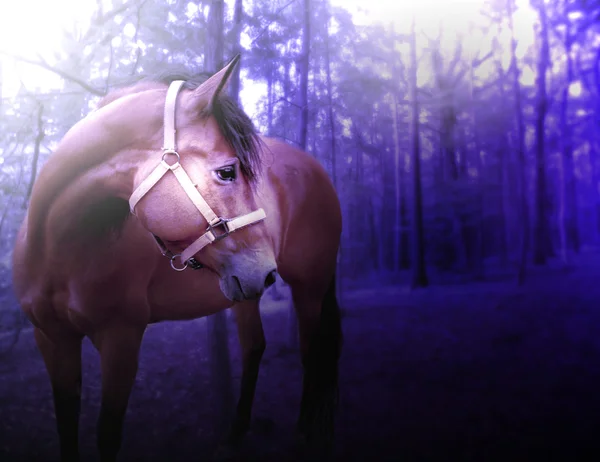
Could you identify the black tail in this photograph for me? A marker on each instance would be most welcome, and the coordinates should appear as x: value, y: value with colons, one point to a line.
x: 321, y: 372
x: 330, y: 339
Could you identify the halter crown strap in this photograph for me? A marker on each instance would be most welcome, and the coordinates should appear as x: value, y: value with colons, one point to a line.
x: 169, y: 117
x: 225, y: 226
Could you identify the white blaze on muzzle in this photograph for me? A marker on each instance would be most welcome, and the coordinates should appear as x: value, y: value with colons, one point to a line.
x: 218, y: 227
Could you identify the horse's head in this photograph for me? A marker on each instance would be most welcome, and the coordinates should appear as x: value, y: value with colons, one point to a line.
x: 198, y: 195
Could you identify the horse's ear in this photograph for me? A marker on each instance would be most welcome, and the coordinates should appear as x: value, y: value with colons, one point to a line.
x: 206, y: 94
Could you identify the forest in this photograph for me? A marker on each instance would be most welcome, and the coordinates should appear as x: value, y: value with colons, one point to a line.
x: 463, y: 139
x: 460, y: 147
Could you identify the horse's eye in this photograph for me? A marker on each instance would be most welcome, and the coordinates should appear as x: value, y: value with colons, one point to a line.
x: 227, y: 173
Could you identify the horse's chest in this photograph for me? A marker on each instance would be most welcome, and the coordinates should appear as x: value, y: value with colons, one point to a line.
x: 186, y: 295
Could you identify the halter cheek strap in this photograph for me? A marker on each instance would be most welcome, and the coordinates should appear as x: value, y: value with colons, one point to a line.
x: 218, y: 227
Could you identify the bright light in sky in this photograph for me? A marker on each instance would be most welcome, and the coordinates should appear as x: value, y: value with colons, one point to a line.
x: 575, y: 89
x: 457, y: 18
x: 29, y: 28
x: 35, y: 26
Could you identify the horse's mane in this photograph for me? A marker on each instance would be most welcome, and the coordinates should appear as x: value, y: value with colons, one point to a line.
x: 233, y: 122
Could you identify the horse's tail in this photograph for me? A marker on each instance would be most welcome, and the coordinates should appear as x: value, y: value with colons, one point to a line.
x: 331, y: 336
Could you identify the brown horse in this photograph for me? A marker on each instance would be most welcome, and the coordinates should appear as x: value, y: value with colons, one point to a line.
x: 228, y: 209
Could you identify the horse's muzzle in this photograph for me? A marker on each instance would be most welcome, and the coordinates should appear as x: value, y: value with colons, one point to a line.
x: 250, y: 288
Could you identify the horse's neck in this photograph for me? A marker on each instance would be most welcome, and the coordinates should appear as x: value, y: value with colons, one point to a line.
x: 91, y: 142
x: 89, y: 208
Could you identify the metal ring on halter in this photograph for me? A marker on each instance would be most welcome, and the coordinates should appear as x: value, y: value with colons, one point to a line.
x: 185, y: 263
x: 171, y: 151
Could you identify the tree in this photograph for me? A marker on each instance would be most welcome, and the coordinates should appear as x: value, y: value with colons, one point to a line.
x: 304, y: 61
x: 520, y: 145
x: 419, y: 278
x: 234, y: 85
x: 338, y: 90
x: 542, y: 244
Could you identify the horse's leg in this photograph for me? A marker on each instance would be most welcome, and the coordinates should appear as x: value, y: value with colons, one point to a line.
x: 119, y: 348
x: 320, y: 332
x: 62, y: 356
x: 252, y: 342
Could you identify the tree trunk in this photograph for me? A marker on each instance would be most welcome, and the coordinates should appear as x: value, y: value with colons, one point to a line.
x: 234, y: 83
x: 503, y: 155
x: 447, y: 117
x: 330, y: 107
x: 561, y: 213
x: 270, y: 77
x: 541, y: 231
x: 522, y: 164
x: 454, y: 170
x: 332, y: 134
x: 401, y: 242
x: 36, y: 152
x: 397, y: 217
x: 419, y: 278
x: 215, y: 37
x: 507, y: 206
x: 405, y: 258
x: 596, y: 140
x: 287, y: 91
x: 374, y: 237
x: 569, y: 186
x: 303, y: 127
x: 479, y: 245
x: 304, y: 67
x: 218, y: 336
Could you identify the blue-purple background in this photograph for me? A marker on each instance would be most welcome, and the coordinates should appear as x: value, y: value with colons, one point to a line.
x: 491, y: 352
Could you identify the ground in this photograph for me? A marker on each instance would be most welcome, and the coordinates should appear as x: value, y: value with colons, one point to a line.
x: 471, y: 372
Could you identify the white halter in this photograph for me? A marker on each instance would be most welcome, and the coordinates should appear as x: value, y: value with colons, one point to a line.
x: 218, y: 227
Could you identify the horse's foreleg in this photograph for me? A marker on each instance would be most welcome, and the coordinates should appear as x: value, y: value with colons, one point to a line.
x: 252, y: 342
x: 119, y: 349
x: 62, y: 356
x: 320, y: 343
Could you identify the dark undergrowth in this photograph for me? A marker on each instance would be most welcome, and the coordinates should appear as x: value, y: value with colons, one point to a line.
x: 470, y: 372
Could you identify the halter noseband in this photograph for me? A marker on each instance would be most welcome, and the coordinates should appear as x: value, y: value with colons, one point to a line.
x: 218, y: 227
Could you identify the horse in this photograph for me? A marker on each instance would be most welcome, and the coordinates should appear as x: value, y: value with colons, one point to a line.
x: 166, y: 203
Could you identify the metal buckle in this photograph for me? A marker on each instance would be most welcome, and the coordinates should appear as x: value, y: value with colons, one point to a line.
x: 221, y: 223
x: 172, y: 152
x: 185, y: 263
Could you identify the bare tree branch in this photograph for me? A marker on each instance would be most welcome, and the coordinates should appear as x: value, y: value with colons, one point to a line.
x: 65, y: 75
x: 479, y: 61
x: 138, y: 51
x: 36, y: 153
x: 102, y: 18
x: 110, y: 66
x: 276, y: 14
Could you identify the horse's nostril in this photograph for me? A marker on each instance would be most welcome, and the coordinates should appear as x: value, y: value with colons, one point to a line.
x: 270, y: 279
x: 238, y: 283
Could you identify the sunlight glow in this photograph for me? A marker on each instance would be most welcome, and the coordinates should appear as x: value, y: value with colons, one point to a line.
x: 453, y: 21
x: 34, y: 28
x: 575, y: 90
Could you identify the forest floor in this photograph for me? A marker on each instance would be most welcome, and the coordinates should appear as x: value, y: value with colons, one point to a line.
x: 472, y: 372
